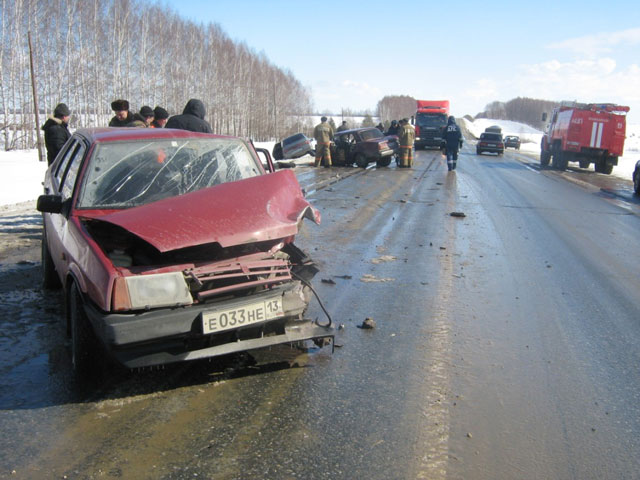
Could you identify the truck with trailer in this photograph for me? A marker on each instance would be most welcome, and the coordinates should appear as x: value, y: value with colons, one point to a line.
x: 585, y: 133
x: 430, y: 120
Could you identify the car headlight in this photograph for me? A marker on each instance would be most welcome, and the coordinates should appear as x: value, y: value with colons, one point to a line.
x: 156, y: 290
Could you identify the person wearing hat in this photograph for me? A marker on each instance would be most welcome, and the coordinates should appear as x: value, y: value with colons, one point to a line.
x: 144, y: 118
x: 343, y: 127
x: 393, y: 128
x: 123, y: 116
x: 323, y: 133
x: 453, y: 139
x: 56, y: 131
x: 406, y: 136
x: 160, y: 117
x: 192, y: 118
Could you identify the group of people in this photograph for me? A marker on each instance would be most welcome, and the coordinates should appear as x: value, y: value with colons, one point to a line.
x: 323, y: 133
x: 56, y: 128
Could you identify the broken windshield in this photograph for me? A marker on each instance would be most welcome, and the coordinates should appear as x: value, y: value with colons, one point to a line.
x: 129, y: 174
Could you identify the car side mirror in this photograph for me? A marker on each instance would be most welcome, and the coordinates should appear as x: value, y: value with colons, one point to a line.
x: 49, y: 204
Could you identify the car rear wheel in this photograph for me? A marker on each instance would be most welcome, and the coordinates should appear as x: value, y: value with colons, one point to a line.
x: 604, y: 167
x: 50, y: 279
x: 383, y: 162
x: 84, y: 344
x: 361, y: 160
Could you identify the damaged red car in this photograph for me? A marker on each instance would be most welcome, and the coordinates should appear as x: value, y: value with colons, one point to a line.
x: 172, y: 245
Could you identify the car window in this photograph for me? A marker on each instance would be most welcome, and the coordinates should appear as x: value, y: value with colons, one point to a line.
x: 128, y: 174
x: 370, y: 134
x: 292, y: 139
x: 71, y: 173
x: 63, y: 165
x: 494, y: 137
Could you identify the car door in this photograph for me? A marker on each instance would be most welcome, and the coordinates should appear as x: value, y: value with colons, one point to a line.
x: 63, y: 181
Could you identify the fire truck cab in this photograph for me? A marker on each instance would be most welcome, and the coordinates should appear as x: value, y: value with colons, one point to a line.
x: 584, y: 133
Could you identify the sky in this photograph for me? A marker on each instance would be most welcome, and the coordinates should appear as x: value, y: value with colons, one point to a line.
x: 351, y: 54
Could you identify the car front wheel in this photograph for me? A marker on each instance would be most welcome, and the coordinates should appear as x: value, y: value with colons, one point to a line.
x: 84, y: 344
x: 50, y: 279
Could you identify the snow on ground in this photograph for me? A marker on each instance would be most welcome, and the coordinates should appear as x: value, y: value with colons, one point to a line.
x: 21, y: 174
x: 530, y: 138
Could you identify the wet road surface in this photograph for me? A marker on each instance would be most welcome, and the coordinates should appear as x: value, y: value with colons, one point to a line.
x: 507, y: 345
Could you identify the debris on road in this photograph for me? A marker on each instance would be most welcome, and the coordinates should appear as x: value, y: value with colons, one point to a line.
x: 368, y: 324
x: 345, y: 277
x: 458, y: 214
x: 384, y: 258
x: 328, y: 280
x: 367, y: 277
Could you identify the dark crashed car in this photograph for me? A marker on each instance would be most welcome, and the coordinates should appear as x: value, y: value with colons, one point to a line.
x: 490, y: 142
x: 636, y: 178
x: 363, y: 146
x: 512, y: 141
x: 294, y: 146
x: 171, y: 246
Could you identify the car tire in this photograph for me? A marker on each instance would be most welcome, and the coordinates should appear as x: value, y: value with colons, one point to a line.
x: 84, y: 344
x: 603, y: 167
x: 384, y: 162
x: 50, y: 279
x: 559, y: 161
x: 636, y: 183
x: 545, y: 158
x: 584, y: 163
x: 361, y: 160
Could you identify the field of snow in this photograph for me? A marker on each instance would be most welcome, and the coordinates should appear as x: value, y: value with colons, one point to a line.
x: 21, y: 173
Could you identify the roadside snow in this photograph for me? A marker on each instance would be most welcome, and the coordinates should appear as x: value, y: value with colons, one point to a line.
x: 21, y: 174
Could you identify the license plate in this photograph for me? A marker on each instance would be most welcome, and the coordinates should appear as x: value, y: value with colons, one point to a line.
x: 492, y: 144
x: 254, y: 312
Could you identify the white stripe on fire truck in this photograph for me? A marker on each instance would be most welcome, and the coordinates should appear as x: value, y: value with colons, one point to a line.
x: 600, y: 130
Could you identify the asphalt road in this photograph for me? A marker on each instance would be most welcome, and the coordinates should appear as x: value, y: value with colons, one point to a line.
x: 507, y: 345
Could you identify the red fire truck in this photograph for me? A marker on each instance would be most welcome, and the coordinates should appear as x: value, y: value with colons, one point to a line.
x: 584, y: 133
x: 431, y: 118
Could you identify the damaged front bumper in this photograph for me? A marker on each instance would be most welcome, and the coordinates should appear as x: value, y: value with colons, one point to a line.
x: 177, y: 334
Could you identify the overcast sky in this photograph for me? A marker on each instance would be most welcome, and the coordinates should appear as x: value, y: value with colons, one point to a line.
x: 351, y: 53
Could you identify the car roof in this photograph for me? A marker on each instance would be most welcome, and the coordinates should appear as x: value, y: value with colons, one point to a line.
x: 118, y: 134
x: 355, y: 130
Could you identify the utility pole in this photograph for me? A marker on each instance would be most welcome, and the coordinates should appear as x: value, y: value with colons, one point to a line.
x: 35, y: 101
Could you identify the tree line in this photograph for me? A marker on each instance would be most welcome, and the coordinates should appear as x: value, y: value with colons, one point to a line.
x: 88, y: 53
x: 520, y: 109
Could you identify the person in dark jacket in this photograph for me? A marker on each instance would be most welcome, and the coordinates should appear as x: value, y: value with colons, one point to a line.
x: 56, y: 131
x: 143, y: 118
x: 453, y: 140
x: 160, y: 117
x: 192, y: 118
x: 123, y: 117
x: 393, y: 128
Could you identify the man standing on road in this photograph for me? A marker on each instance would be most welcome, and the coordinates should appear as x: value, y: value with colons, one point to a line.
x: 343, y: 127
x: 160, y: 117
x: 123, y: 117
x: 406, y: 136
x: 453, y: 140
x: 323, y: 133
x: 192, y: 118
x: 56, y: 131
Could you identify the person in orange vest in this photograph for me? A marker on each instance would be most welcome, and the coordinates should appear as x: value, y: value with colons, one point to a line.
x: 406, y: 137
x: 323, y: 133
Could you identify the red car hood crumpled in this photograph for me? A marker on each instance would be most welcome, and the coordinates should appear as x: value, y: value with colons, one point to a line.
x: 256, y: 209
